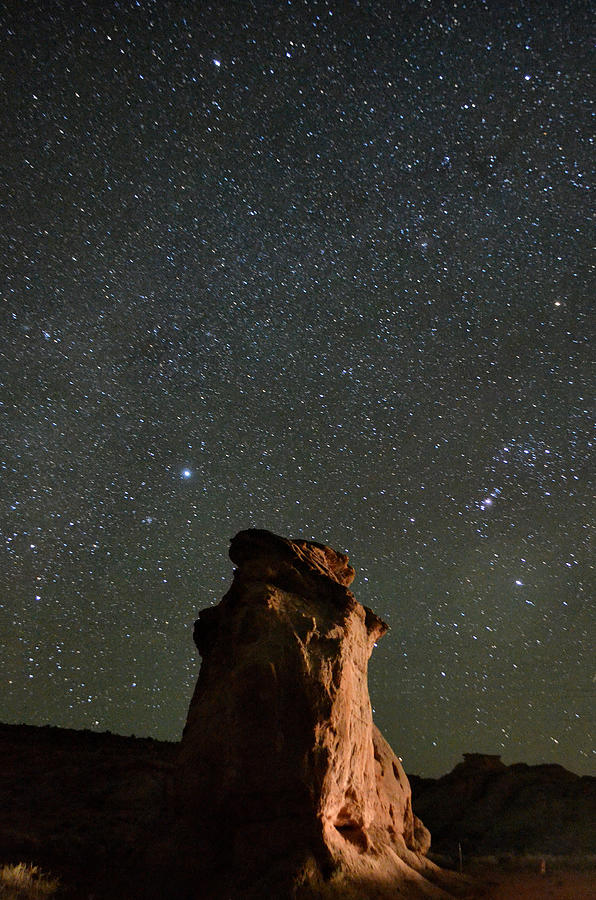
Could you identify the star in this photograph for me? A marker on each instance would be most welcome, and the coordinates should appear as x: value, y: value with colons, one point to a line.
x: 357, y: 358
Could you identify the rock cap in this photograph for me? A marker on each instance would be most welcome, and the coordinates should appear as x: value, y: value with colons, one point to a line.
x: 255, y: 545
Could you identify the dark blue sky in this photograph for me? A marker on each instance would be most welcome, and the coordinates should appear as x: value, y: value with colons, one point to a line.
x: 315, y: 267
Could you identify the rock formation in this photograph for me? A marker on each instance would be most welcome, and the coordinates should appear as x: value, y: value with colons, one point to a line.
x: 488, y: 807
x: 284, y: 787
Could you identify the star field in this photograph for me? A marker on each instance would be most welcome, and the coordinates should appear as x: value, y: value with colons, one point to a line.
x: 321, y: 268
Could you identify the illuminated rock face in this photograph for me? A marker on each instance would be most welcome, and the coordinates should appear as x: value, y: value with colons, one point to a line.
x: 284, y: 786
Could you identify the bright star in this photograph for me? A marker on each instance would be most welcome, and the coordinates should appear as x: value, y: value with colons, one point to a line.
x: 186, y: 473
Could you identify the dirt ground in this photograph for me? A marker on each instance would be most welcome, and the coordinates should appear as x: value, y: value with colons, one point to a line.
x: 497, y: 884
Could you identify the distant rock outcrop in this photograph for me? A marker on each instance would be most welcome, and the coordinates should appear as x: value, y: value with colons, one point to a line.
x: 284, y: 787
x: 489, y: 807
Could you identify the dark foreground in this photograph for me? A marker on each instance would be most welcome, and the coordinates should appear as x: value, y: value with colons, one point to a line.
x: 74, y: 803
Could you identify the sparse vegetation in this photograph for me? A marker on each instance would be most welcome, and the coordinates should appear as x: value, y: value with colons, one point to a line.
x: 24, y: 881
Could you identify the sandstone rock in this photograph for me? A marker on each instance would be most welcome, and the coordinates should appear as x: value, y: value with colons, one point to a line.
x: 284, y: 786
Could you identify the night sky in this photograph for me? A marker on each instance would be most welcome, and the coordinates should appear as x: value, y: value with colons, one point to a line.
x: 315, y: 267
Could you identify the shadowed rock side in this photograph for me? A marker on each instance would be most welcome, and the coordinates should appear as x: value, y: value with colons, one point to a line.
x: 284, y: 787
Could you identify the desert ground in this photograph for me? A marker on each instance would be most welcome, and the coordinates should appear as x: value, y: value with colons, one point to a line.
x: 520, y: 880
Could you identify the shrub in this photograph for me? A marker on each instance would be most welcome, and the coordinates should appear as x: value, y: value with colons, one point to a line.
x: 26, y: 882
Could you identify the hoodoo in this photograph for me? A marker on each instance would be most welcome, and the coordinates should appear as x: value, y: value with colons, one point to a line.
x: 284, y: 787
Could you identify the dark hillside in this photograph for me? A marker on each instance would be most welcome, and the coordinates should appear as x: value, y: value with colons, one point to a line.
x: 489, y: 807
